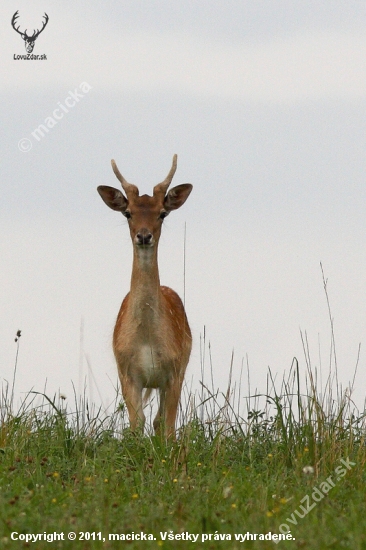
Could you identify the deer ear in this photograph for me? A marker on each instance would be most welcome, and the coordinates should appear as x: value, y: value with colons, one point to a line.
x: 113, y: 198
x: 177, y: 196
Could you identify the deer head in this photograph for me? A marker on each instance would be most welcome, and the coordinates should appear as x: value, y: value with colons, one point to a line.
x: 145, y: 214
x: 28, y: 40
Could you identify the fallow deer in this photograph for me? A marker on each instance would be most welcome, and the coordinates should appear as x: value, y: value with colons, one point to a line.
x: 152, y: 340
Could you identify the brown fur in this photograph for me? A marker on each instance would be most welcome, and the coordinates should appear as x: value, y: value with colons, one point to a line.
x: 152, y: 339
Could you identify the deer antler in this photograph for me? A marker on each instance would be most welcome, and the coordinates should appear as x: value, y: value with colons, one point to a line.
x: 24, y: 35
x: 128, y: 187
x: 161, y: 188
x: 44, y: 23
x: 13, y: 21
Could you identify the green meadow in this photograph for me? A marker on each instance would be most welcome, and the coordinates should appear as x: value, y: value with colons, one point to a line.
x: 243, y: 471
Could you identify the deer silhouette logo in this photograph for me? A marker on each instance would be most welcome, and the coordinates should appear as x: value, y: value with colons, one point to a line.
x: 28, y: 40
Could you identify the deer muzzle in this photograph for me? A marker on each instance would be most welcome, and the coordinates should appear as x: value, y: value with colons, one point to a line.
x: 144, y: 237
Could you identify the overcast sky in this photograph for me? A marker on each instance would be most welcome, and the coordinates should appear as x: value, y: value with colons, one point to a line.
x: 264, y: 103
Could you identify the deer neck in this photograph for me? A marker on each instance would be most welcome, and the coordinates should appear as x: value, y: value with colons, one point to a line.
x: 145, y: 293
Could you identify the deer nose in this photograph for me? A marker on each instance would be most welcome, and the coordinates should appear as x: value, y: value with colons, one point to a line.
x: 144, y: 237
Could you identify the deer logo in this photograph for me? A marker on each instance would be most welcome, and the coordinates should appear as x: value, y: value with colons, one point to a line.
x: 28, y: 40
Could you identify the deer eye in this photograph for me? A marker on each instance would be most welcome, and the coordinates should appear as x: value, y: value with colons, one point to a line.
x: 127, y: 214
x: 163, y: 214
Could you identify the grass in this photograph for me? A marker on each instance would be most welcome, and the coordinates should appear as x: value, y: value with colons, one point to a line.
x: 81, y: 470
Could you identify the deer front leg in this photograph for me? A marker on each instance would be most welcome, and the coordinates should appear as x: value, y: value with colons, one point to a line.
x: 132, y: 394
x: 167, y: 412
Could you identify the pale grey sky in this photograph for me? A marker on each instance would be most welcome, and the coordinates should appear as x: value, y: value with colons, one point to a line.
x: 264, y: 103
